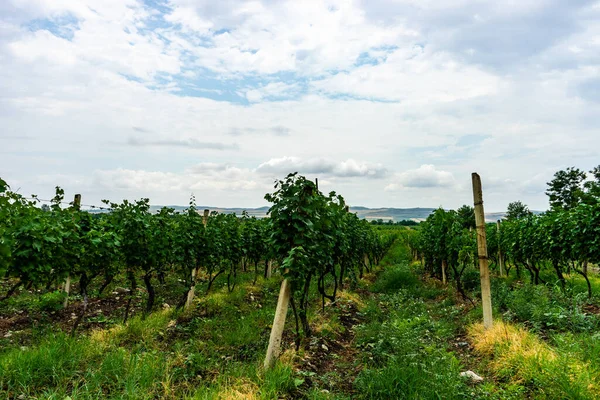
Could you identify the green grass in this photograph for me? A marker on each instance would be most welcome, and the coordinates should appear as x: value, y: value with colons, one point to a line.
x: 199, y: 354
x: 544, y: 371
x: 404, y: 346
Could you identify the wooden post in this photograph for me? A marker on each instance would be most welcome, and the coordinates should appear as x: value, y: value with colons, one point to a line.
x: 269, y: 269
x: 486, y: 298
x: 77, y: 202
x: 67, y: 286
x: 67, y: 289
x: 317, y: 183
x: 278, y: 324
x: 444, y: 267
x: 500, y: 255
x: 192, y: 292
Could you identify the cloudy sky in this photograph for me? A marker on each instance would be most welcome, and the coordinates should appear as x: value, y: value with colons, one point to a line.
x: 390, y: 103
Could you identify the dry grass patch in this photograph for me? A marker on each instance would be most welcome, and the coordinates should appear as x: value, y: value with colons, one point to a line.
x: 522, y: 358
x: 242, y: 389
x: 505, y: 341
x: 355, y: 298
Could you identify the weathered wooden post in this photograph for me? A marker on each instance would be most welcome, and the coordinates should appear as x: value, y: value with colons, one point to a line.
x: 269, y: 269
x: 192, y: 292
x: 500, y: 255
x: 278, y: 324
x: 67, y: 290
x: 444, y: 268
x: 67, y: 287
x: 486, y: 298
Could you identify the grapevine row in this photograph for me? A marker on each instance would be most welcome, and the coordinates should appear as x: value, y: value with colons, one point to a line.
x: 565, y: 239
x: 309, y: 234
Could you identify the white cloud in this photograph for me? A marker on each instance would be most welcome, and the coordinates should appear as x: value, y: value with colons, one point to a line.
x: 272, y: 90
x: 343, y: 169
x: 109, y: 37
x: 426, y: 176
x: 178, y: 184
x: 295, y: 36
x: 298, y: 78
x: 413, y: 75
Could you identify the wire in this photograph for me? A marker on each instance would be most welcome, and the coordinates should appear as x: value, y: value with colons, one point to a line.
x: 68, y: 203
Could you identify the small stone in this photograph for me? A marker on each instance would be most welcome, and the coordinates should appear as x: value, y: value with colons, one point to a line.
x: 165, y: 306
x: 324, y: 347
x: 472, y: 375
x: 9, y: 334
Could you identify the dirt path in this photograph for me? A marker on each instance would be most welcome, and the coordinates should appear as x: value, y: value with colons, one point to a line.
x: 330, y: 361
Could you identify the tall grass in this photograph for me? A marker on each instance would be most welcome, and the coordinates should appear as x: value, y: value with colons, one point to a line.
x: 522, y: 358
x: 403, y: 348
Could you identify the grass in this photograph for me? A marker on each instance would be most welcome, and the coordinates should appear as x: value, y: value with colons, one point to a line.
x: 520, y: 358
x: 213, y: 351
x: 403, y: 348
x: 410, y: 338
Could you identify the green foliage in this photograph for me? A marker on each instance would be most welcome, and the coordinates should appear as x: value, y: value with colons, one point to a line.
x: 405, y: 354
x: 542, y: 309
x: 466, y: 216
x: 516, y: 210
x: 565, y: 190
x: 311, y: 234
x: 446, y: 238
x: 393, y: 279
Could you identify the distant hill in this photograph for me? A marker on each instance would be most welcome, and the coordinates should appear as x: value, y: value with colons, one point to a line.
x: 395, y: 214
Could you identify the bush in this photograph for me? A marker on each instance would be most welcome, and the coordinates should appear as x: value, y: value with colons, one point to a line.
x: 542, y: 308
x: 471, y: 280
x: 51, y: 301
x: 394, y: 279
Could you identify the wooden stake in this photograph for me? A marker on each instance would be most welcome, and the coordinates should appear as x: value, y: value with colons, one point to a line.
x: 486, y: 298
x: 67, y: 287
x: 444, y: 267
x: 205, y: 217
x: 269, y: 269
x: 278, y: 324
x: 500, y: 255
x: 192, y: 292
x: 77, y: 202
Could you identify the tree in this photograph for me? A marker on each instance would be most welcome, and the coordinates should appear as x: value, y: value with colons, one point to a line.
x: 517, y: 210
x: 466, y: 217
x: 592, y: 187
x: 565, y: 191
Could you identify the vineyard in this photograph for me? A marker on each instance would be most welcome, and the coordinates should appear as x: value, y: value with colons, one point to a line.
x: 133, y: 304
x: 565, y: 239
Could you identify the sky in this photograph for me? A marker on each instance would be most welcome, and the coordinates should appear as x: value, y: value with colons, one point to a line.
x: 390, y: 103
